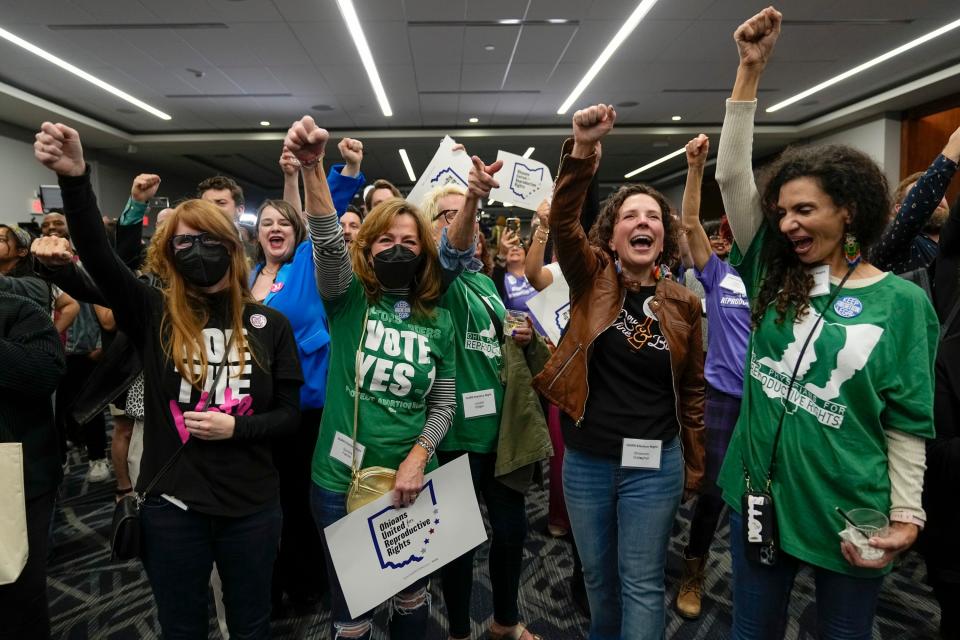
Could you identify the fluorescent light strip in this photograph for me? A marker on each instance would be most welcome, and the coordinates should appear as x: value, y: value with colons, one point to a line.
x: 356, y: 31
x: 80, y: 73
x: 528, y: 152
x: 866, y: 65
x: 650, y: 165
x: 407, y: 165
x: 642, y: 9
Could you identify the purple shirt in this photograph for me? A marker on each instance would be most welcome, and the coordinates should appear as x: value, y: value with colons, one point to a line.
x: 519, y: 290
x: 728, y: 317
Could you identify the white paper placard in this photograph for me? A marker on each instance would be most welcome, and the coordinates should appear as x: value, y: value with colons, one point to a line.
x: 524, y: 182
x: 446, y: 167
x: 378, y: 550
x: 551, y: 307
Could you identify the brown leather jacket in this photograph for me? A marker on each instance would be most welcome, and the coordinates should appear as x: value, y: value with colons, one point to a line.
x: 597, y: 293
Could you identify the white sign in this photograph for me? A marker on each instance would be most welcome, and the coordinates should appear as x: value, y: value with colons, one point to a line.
x: 378, y: 549
x: 551, y: 307
x: 524, y: 182
x: 447, y: 167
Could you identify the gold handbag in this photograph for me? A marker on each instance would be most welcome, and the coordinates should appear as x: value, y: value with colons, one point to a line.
x: 366, y: 485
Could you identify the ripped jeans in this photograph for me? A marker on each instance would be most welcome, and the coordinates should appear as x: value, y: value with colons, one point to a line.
x: 409, y: 609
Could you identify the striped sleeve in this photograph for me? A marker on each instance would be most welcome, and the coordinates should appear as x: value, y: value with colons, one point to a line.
x: 441, y: 408
x: 330, y: 257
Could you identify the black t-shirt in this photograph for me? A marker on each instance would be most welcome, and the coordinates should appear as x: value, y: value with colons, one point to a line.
x: 630, y: 381
x: 233, y: 477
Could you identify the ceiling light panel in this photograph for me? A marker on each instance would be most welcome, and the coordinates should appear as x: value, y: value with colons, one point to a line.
x: 650, y: 165
x: 360, y: 41
x: 625, y: 30
x: 936, y: 33
x: 80, y: 73
x: 407, y: 165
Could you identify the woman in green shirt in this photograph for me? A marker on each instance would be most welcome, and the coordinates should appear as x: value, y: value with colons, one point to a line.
x: 838, y: 391
x: 381, y: 298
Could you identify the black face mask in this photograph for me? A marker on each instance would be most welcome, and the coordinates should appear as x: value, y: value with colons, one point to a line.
x: 202, y: 266
x: 395, y: 267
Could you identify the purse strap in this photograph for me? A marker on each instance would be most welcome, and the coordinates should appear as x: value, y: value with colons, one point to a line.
x: 354, y: 467
x: 218, y: 369
x: 950, y: 318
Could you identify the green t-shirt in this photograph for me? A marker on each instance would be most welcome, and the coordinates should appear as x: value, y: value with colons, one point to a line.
x: 868, y: 368
x: 401, y: 359
x: 479, y: 387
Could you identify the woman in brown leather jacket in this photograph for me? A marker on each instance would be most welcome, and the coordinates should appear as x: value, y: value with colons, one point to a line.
x: 628, y: 377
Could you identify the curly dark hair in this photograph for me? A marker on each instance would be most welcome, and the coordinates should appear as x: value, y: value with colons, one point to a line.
x: 219, y: 183
x: 853, y: 181
x: 602, y: 230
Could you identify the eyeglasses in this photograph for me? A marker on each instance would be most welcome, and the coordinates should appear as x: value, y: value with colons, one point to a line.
x: 450, y: 214
x: 186, y: 241
x: 447, y: 214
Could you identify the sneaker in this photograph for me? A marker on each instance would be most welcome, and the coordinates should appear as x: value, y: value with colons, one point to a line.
x: 99, y: 471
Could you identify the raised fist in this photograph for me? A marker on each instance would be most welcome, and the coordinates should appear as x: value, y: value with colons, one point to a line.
x: 591, y: 124
x: 351, y: 151
x: 757, y: 36
x: 306, y: 140
x: 144, y: 187
x: 543, y: 213
x: 480, y: 180
x: 289, y: 163
x: 697, y: 150
x: 57, y: 147
x: 52, y: 251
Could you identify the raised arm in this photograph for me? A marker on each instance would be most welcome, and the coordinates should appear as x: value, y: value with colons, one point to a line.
x: 130, y: 225
x: 58, y: 147
x: 697, y: 150
x: 578, y: 165
x: 291, y: 179
x: 919, y: 205
x: 345, y: 179
x: 755, y: 40
x: 538, y: 275
x: 308, y: 142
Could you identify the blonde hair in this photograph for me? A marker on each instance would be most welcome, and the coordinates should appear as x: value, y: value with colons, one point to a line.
x: 425, y: 289
x: 186, y: 309
x: 431, y: 202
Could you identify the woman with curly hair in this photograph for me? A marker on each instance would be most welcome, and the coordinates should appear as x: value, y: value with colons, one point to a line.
x: 633, y: 340
x: 838, y: 391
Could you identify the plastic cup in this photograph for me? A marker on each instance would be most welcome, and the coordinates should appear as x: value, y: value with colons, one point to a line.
x: 867, y: 523
x: 514, y: 320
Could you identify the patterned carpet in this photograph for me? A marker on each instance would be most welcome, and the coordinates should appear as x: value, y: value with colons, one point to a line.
x: 90, y: 597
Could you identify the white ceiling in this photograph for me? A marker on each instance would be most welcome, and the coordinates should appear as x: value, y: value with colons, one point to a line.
x: 276, y: 59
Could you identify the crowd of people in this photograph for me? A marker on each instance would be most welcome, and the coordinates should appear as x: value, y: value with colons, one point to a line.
x: 793, y: 364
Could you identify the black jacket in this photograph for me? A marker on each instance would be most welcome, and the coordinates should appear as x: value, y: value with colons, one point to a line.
x: 31, y: 363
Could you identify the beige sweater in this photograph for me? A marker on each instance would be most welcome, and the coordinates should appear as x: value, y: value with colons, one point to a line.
x: 906, y: 454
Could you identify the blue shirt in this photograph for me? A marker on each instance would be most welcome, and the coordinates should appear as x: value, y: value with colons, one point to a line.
x: 728, y: 313
x: 294, y: 294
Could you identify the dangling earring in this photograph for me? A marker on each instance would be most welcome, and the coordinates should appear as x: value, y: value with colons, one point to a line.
x: 660, y: 271
x: 851, y: 249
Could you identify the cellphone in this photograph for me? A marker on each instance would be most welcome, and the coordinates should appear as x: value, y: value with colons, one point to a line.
x: 513, y: 224
x: 158, y: 204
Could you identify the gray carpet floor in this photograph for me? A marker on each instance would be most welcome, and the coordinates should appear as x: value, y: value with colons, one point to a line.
x: 91, y: 597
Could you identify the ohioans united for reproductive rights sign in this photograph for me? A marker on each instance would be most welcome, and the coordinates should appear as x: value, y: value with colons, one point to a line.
x: 378, y: 550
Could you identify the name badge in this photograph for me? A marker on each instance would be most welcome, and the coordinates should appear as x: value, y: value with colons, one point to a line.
x: 641, y: 454
x: 479, y: 403
x: 342, y: 450
x: 821, y: 280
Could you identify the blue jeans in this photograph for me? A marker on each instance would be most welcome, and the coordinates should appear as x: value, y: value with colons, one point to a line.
x: 180, y: 548
x: 408, y: 617
x: 845, y: 604
x: 621, y: 520
x: 508, y: 524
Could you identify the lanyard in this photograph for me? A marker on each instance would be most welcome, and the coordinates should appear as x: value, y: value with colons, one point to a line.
x: 786, y: 400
